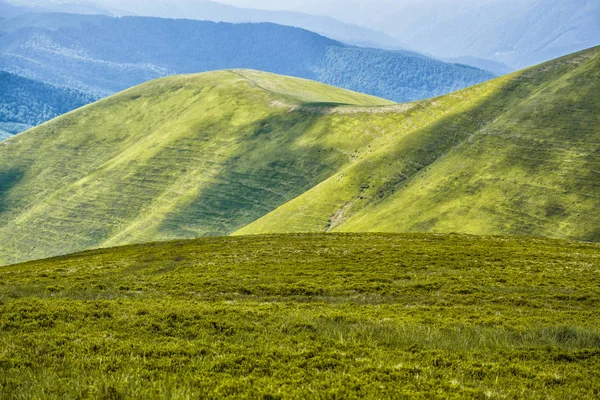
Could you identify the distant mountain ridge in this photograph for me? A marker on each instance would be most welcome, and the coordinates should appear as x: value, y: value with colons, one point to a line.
x: 4, y: 135
x: 218, y: 12
x: 515, y: 33
x: 8, y: 10
x: 494, y: 67
x: 518, y: 33
x: 102, y: 55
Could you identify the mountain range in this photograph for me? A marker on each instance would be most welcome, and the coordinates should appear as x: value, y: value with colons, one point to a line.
x: 98, y: 55
x: 512, y: 33
x: 211, y: 11
x: 245, y: 152
x: 103, y: 55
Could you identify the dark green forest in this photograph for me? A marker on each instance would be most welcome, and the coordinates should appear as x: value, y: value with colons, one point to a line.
x: 29, y: 102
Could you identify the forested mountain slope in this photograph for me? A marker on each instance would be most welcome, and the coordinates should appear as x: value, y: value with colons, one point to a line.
x: 25, y: 103
x: 101, y: 55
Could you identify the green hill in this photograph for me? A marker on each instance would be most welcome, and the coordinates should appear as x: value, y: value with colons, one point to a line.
x: 248, y: 152
x: 415, y: 316
x: 516, y: 156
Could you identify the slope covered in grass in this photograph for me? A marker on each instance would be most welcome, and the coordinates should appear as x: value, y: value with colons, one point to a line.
x: 517, y: 156
x: 180, y: 157
x: 250, y: 152
x: 300, y: 316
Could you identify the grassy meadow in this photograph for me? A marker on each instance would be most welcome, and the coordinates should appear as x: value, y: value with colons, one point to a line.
x: 306, y: 316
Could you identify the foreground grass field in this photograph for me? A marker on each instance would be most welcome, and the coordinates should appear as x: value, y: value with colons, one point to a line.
x: 297, y: 316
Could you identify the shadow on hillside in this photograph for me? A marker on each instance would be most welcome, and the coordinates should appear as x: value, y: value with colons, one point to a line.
x: 531, y: 142
x: 267, y: 169
x: 270, y: 168
x: 8, y: 179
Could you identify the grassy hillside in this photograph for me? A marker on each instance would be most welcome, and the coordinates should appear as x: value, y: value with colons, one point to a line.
x: 180, y: 157
x: 518, y: 155
x: 297, y: 316
x: 249, y: 152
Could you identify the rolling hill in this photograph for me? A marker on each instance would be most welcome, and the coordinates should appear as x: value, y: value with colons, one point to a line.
x: 517, y: 156
x: 348, y: 316
x: 100, y: 55
x: 25, y: 103
x: 249, y: 152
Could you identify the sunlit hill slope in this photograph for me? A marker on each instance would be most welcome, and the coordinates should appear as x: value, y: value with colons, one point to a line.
x: 248, y: 152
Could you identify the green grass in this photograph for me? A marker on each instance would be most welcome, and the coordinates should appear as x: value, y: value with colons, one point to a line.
x: 515, y: 156
x: 245, y: 152
x: 306, y: 316
x: 180, y: 157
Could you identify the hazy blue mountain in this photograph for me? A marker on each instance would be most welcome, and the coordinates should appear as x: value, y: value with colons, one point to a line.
x: 101, y: 55
x: 494, y: 67
x: 11, y: 8
x: 8, y: 129
x: 218, y: 12
x: 25, y: 103
x: 518, y: 33
x: 8, y: 10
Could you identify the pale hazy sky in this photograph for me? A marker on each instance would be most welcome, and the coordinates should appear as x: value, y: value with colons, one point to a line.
x: 267, y: 4
x: 305, y: 4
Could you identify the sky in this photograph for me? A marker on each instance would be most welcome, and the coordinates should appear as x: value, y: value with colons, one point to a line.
x: 323, y: 7
x: 269, y: 4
